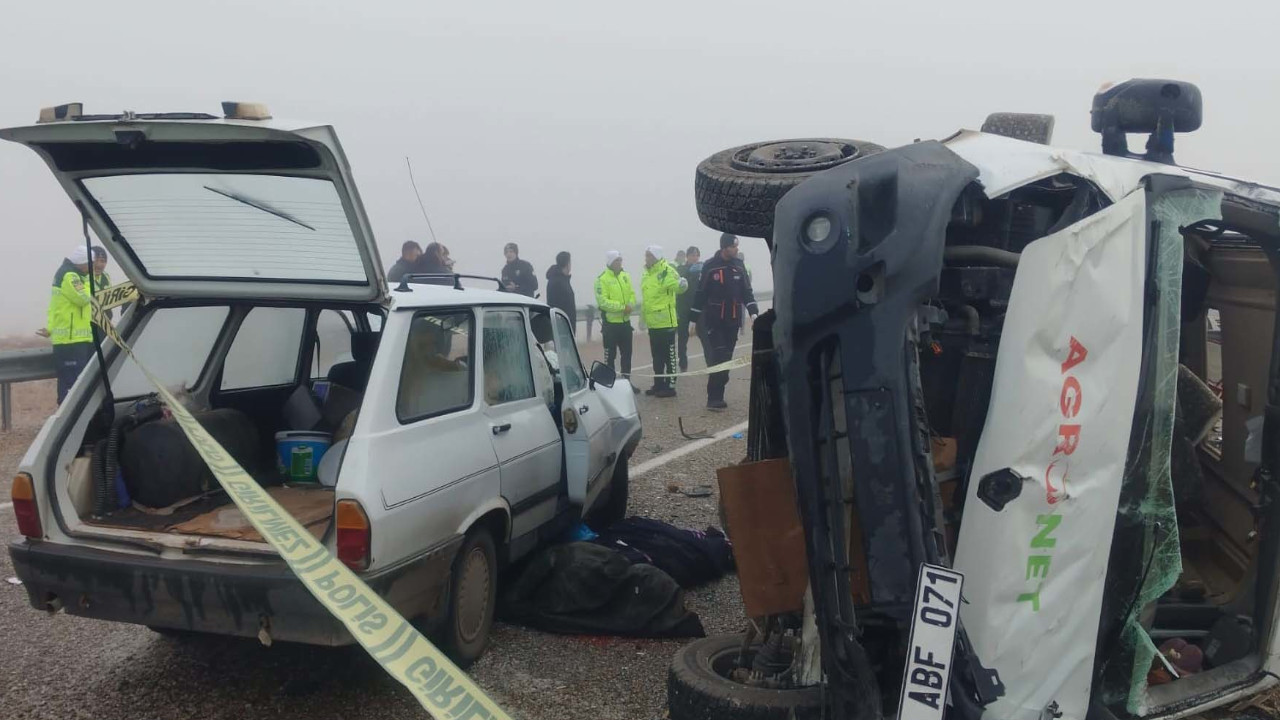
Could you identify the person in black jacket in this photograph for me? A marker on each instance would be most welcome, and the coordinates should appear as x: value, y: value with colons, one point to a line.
x: 517, y: 274
x: 723, y: 289
x: 435, y: 261
x: 560, y: 290
x: 410, y: 254
x: 691, y: 271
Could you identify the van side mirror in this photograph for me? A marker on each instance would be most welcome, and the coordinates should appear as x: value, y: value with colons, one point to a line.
x: 602, y: 374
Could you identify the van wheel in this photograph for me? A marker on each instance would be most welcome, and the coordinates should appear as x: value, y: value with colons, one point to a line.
x: 735, y: 190
x: 473, y: 592
x: 614, y: 509
x: 699, y: 687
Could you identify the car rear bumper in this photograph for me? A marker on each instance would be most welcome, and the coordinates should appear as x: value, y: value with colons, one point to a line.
x: 212, y: 597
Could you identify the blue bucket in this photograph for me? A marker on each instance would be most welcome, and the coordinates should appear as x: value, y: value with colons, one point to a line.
x: 298, y: 453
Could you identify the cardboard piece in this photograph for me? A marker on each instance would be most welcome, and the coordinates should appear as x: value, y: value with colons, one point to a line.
x: 763, y: 522
x: 312, y: 507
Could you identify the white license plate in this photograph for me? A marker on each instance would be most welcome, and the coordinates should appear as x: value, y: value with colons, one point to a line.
x: 933, y: 638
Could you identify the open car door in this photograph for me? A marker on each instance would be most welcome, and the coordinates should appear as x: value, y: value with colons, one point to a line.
x: 198, y: 206
x: 586, y: 420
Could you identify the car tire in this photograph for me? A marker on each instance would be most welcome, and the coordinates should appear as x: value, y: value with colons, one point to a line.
x: 735, y: 190
x: 614, y: 508
x: 699, y: 689
x: 473, y: 595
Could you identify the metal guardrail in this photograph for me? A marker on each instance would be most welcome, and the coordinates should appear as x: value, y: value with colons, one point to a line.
x: 21, y: 366
x: 589, y: 315
x: 18, y: 366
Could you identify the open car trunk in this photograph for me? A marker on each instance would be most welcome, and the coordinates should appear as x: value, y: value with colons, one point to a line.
x: 248, y: 373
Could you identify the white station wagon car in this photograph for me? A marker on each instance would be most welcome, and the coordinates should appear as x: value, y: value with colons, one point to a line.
x: 462, y: 430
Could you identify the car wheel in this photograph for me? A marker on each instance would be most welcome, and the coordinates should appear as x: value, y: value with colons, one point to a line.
x: 615, y: 507
x: 699, y: 687
x: 472, y: 597
x: 735, y: 190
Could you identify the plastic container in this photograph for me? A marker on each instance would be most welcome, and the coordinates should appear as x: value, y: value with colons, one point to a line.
x: 327, y: 471
x: 298, y: 453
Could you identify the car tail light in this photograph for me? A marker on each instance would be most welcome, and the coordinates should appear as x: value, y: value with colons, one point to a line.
x: 353, y: 534
x: 23, y: 493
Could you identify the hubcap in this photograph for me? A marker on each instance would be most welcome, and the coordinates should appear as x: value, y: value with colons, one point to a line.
x: 473, y: 594
x: 794, y: 156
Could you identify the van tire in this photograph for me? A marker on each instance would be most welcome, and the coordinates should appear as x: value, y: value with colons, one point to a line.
x: 735, y: 192
x: 473, y: 595
x: 614, y: 509
x: 697, y: 690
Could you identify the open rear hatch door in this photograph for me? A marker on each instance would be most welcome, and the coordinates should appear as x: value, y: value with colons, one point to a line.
x: 217, y: 208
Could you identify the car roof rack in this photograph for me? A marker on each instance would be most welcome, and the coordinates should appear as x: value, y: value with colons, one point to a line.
x: 455, y: 278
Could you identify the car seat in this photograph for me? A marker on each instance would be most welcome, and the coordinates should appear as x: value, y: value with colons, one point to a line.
x: 355, y: 373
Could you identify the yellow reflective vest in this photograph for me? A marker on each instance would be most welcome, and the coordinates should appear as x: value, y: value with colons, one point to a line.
x: 70, y: 307
x: 614, y: 293
x: 659, y: 287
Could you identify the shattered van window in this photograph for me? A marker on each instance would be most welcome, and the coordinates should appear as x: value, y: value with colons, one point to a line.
x: 1153, y: 508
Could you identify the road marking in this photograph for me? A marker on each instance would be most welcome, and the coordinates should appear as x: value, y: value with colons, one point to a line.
x: 6, y: 505
x: 655, y: 463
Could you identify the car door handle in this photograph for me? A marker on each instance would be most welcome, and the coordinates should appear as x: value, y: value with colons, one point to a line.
x: 584, y: 409
x: 499, y: 429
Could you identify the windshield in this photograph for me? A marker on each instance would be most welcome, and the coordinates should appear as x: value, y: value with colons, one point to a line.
x: 235, y: 226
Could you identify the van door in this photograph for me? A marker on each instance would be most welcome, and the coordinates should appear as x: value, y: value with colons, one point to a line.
x: 524, y: 431
x: 1083, y: 393
x: 585, y: 421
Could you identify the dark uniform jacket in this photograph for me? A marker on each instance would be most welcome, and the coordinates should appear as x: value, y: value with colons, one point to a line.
x: 723, y: 288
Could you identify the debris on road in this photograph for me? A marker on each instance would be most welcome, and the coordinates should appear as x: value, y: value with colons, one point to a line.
x: 688, y: 435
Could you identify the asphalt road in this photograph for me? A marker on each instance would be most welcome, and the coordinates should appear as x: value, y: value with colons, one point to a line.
x: 58, y: 666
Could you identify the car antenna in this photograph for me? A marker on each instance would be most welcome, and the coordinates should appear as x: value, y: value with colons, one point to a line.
x: 423, y: 207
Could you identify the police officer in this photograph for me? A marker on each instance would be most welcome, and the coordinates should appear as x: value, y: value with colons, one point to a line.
x: 70, y: 317
x: 616, y: 298
x: 517, y: 274
x: 659, y: 286
x: 689, y: 272
x: 723, y: 289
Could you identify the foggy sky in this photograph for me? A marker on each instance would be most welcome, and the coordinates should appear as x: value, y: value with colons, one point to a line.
x: 578, y: 125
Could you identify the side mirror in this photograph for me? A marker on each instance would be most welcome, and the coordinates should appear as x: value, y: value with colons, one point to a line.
x: 602, y: 374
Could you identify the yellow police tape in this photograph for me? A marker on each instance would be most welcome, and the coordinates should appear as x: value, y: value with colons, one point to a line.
x: 442, y: 689
x: 115, y: 296
x: 733, y: 364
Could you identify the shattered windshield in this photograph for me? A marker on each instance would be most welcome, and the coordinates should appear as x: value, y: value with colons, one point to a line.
x: 222, y: 225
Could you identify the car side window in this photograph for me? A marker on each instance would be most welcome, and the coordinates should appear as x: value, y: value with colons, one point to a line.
x: 508, y: 375
x: 333, y: 341
x: 572, y: 375
x: 436, y: 377
x: 265, y: 350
